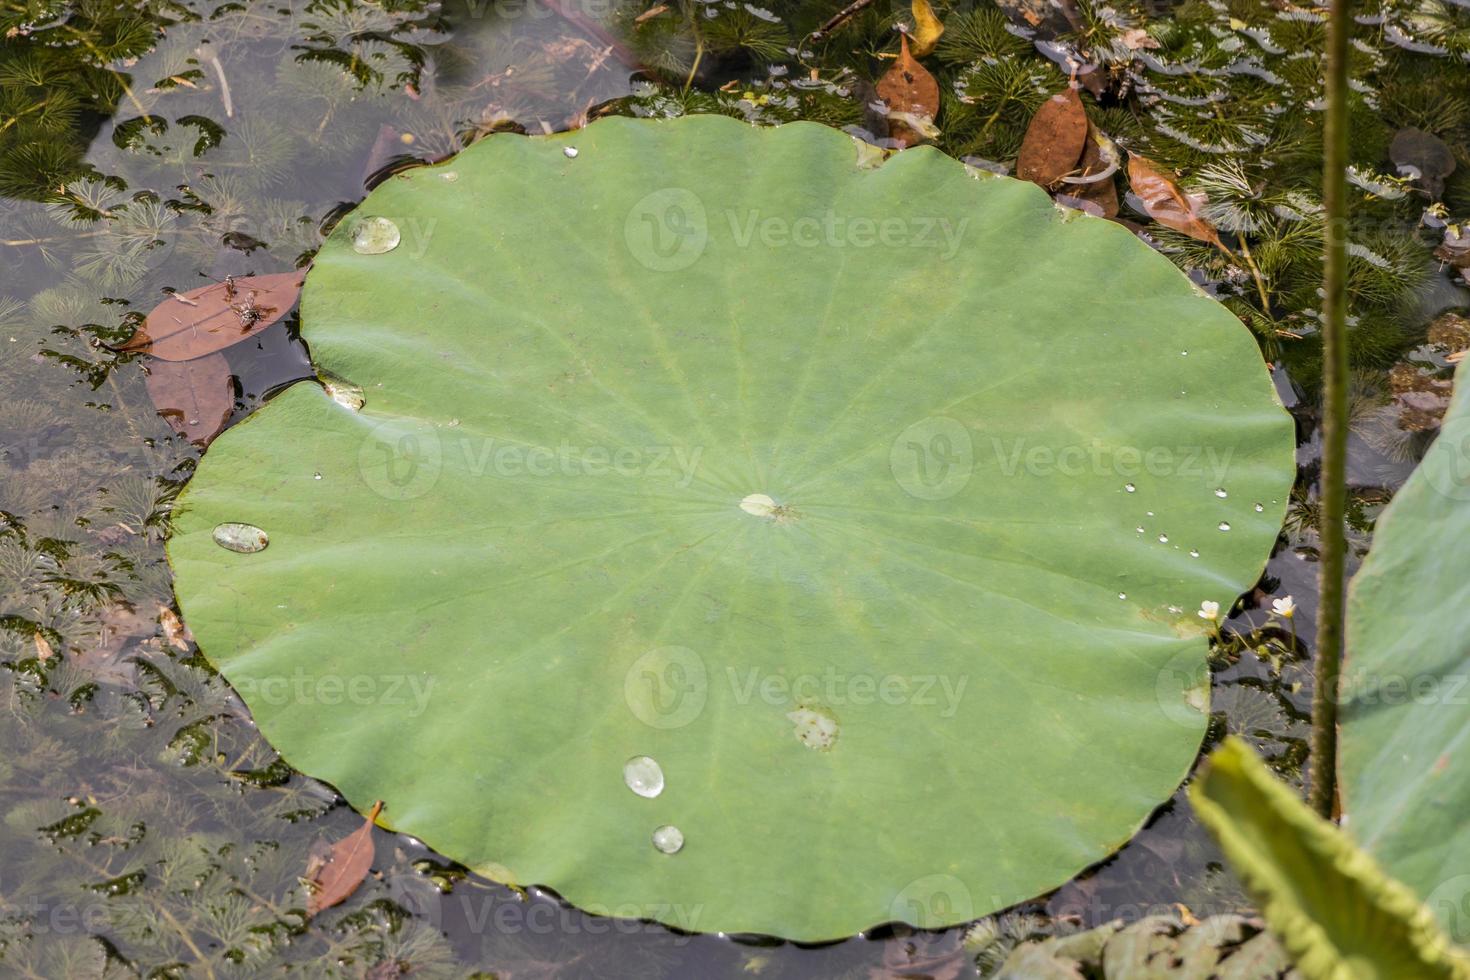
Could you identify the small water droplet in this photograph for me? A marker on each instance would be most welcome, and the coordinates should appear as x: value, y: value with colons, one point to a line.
x: 1224, y: 525
x: 1259, y: 508
x: 374, y: 235
x: 1184, y: 353
x: 1150, y: 513
x: 1129, y: 487
x: 1139, y: 530
x: 1176, y: 610
x: 1163, y: 539
x: 1122, y: 595
x: 1220, y: 492
x: 244, y: 539
x: 570, y: 151
x: 449, y: 175
x: 669, y: 839
x: 1194, y: 552
x: 316, y: 476
x: 644, y: 776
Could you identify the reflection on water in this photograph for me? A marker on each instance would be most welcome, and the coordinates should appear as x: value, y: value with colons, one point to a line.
x: 142, y: 148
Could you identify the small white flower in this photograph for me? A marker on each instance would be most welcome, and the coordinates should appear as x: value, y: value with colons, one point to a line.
x: 1209, y: 610
x: 1283, y: 607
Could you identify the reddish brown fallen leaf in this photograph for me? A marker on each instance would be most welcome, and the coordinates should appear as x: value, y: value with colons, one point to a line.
x: 43, y: 648
x: 1055, y: 140
x: 194, y: 397
x: 1100, y: 197
x: 347, y: 865
x: 1165, y: 202
x: 211, y: 318
x: 388, y: 149
x: 911, y: 95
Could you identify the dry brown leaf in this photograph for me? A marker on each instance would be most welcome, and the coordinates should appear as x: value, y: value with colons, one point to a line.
x: 348, y: 863
x: 174, y: 630
x: 213, y: 317
x: 1055, y: 140
x: 927, y: 28
x: 1165, y: 202
x: 194, y: 397
x: 651, y: 13
x: 1099, y: 197
x: 908, y: 90
x: 43, y: 648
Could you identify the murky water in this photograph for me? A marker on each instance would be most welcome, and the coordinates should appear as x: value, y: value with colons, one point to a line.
x: 156, y: 149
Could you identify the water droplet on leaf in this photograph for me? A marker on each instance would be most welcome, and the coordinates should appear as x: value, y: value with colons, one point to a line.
x: 669, y: 839
x: 1224, y: 525
x: 374, y: 235
x: 245, y: 539
x: 644, y: 776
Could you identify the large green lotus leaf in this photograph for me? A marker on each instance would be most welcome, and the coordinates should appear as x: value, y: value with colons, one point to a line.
x: 873, y: 504
x: 1405, y: 754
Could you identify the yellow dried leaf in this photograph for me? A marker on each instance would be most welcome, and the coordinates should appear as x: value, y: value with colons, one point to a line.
x: 927, y: 28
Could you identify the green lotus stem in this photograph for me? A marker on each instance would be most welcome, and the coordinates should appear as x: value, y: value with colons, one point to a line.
x: 1333, y: 480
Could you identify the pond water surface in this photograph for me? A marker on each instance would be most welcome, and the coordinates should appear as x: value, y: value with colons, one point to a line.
x: 146, y: 826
